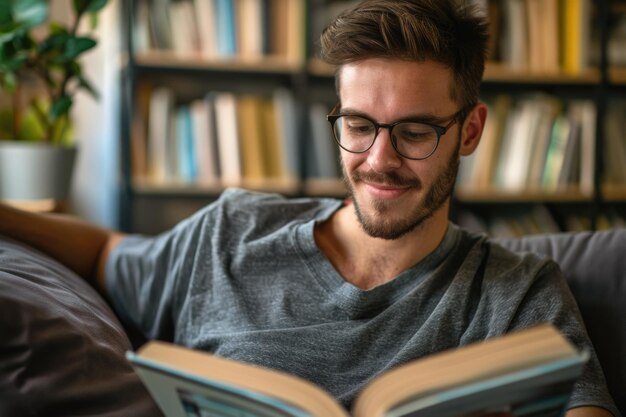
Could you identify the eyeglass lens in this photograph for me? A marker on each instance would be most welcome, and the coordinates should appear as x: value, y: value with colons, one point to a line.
x: 411, y: 139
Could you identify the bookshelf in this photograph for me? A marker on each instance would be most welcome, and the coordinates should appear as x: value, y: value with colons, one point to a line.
x: 272, y: 70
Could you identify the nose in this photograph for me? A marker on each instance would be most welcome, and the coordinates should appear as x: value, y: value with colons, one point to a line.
x: 382, y: 156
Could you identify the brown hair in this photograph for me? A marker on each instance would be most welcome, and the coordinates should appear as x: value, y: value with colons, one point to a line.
x: 444, y: 31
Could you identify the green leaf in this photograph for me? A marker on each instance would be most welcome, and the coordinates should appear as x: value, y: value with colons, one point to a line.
x: 5, y: 12
x: 96, y: 5
x: 31, y: 12
x: 8, y: 81
x: 76, y: 46
x: 9, y: 31
x: 86, y: 85
x: 55, y: 41
x: 60, y: 107
x: 89, y: 5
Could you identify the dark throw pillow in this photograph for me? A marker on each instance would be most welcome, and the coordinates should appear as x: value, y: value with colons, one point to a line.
x: 61, y: 347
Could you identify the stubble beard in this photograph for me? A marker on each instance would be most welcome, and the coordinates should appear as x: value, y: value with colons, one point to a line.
x: 377, y: 225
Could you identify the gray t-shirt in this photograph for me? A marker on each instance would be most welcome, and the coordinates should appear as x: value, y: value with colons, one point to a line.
x: 244, y: 279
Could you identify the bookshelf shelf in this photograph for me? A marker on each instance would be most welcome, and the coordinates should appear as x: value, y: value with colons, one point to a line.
x: 614, y: 192
x: 617, y: 75
x: 148, y: 187
x: 176, y: 61
x: 325, y: 187
x: 523, y: 196
x: 495, y: 72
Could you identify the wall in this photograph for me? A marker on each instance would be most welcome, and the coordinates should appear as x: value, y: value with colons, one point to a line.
x: 95, y: 185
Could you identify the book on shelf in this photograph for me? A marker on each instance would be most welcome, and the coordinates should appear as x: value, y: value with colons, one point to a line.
x: 206, y: 24
x: 250, y: 29
x: 160, y: 24
x: 543, y: 35
x: 185, y: 34
x: 223, y: 29
x: 514, y: 46
x: 139, y: 131
x: 531, y: 371
x: 576, y: 32
x: 205, y: 140
x: 226, y: 24
x: 228, y: 138
x: 273, y: 158
x: 160, y: 135
x: 555, y: 157
x: 323, y: 159
x: 186, y: 167
x: 588, y: 120
x: 287, y: 122
x: 515, y: 160
x: 549, y: 108
x: 250, y: 138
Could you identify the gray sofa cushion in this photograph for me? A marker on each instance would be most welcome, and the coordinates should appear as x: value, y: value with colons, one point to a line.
x: 61, y: 347
x: 594, y: 265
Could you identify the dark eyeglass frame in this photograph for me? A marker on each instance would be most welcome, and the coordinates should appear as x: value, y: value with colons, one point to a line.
x: 439, y: 130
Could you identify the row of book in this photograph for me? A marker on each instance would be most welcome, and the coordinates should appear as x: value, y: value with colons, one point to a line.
x: 536, y: 220
x: 228, y: 139
x: 534, y: 143
x: 222, y: 29
x: 545, y: 36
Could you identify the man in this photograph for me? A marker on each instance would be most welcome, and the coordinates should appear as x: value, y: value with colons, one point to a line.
x: 334, y: 291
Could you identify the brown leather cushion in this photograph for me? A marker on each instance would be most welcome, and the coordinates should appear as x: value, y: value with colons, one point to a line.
x: 61, y: 347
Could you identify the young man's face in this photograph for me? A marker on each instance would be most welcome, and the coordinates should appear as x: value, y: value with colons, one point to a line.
x: 393, y: 195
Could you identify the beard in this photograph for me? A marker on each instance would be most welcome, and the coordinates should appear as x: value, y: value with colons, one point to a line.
x: 379, y: 225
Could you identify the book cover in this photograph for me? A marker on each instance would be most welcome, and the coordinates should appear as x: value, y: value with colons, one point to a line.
x: 203, y: 125
x: 226, y: 28
x: 528, y: 372
x: 228, y: 138
x: 207, y: 27
x: 287, y: 122
x: 250, y: 138
x: 159, y: 134
x: 249, y: 29
x: 324, y: 147
x: 576, y: 35
x: 187, y: 170
x: 185, y: 38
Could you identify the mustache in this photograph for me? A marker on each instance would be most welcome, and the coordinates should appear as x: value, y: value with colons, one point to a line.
x: 392, y: 179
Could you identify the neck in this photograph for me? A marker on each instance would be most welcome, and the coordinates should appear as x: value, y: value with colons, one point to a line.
x: 366, y: 261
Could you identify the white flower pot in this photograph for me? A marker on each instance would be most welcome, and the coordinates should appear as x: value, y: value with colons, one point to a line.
x: 31, y: 171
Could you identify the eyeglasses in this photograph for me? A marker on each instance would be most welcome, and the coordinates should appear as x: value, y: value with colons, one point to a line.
x: 412, y: 140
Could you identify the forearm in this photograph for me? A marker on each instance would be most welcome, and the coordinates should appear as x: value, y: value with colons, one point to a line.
x: 81, y: 246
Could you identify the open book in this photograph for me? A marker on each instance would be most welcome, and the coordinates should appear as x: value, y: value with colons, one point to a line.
x: 528, y: 372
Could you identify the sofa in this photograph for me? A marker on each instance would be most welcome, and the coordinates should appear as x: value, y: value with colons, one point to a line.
x: 62, y: 348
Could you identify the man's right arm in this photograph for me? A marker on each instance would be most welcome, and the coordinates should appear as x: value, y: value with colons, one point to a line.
x: 81, y: 246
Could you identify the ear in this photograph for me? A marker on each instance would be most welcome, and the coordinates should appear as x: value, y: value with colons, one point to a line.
x: 473, y: 129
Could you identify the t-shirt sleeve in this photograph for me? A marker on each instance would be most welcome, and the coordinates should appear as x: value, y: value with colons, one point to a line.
x: 146, y: 276
x: 549, y: 299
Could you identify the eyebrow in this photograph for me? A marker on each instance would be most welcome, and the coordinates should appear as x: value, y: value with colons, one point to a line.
x: 420, y: 117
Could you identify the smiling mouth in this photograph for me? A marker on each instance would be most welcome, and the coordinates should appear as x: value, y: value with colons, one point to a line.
x: 385, y: 191
x: 386, y: 184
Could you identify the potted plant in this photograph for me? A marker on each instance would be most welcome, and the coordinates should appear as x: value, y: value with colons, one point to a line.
x: 40, y: 74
